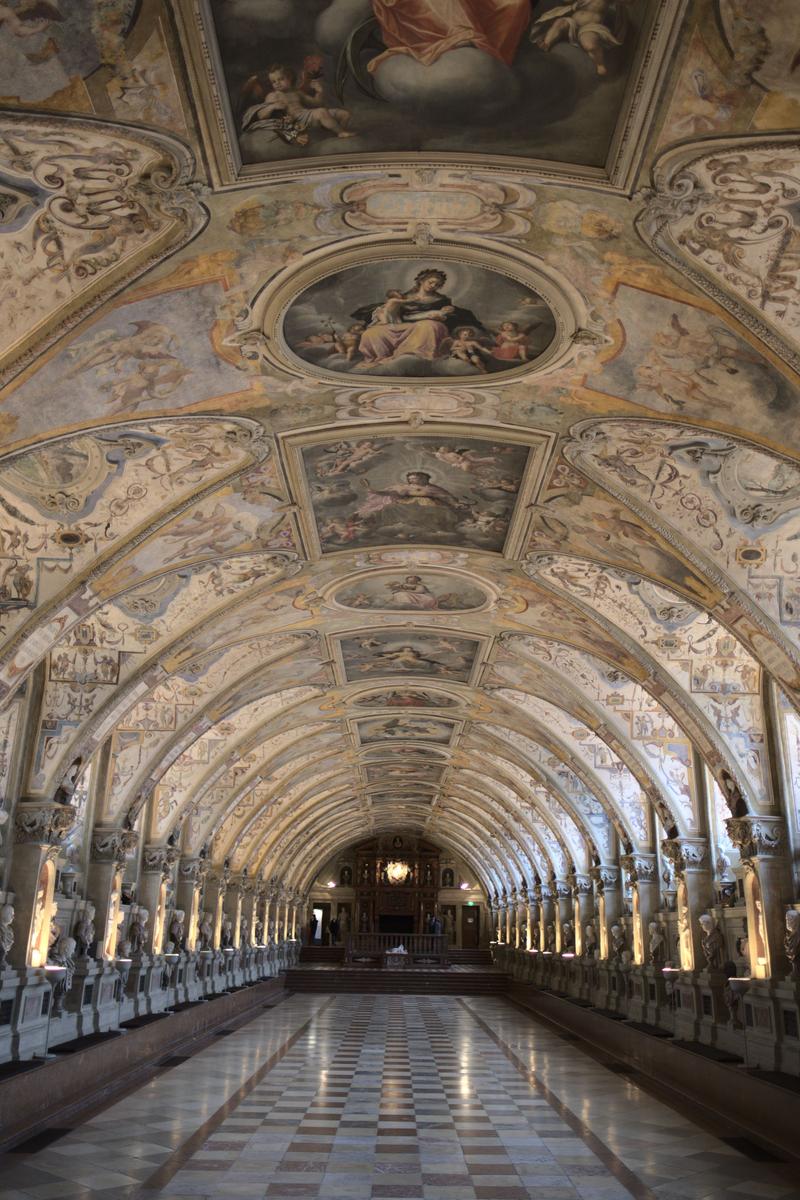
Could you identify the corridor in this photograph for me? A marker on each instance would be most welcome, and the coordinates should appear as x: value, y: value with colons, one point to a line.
x: 359, y: 1097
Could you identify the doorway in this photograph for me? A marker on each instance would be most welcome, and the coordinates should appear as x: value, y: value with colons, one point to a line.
x: 470, y: 926
x: 323, y: 914
x: 315, y: 928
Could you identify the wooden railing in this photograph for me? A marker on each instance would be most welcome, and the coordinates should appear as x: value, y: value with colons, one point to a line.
x: 427, y: 947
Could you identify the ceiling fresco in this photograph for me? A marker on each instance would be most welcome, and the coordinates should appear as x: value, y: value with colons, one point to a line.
x: 418, y: 320
x: 376, y: 491
x: 398, y: 425
x: 355, y: 78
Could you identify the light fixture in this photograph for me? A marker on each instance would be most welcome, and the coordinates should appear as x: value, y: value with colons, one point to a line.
x: 464, y: 887
x: 331, y: 883
x: 397, y: 872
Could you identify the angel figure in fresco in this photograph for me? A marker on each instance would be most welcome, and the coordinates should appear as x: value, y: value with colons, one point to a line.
x: 290, y: 105
x: 141, y: 362
x: 29, y: 18
x: 592, y: 25
x: 464, y: 459
x: 345, y: 457
x: 407, y: 658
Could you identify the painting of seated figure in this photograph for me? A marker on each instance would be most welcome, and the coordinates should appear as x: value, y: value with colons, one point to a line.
x: 424, y: 320
x: 316, y: 79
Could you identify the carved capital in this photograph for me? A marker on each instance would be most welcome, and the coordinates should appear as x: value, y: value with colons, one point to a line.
x: 561, y: 889
x: 113, y: 845
x: 192, y: 870
x: 159, y: 858
x: 45, y: 824
x: 641, y: 868
x: 757, y: 837
x: 687, y: 854
x: 581, y: 885
x: 605, y: 878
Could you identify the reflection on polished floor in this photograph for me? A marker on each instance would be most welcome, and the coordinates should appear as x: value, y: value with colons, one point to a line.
x: 355, y: 1097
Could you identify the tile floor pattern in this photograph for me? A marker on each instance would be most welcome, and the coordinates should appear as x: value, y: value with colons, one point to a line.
x: 359, y: 1097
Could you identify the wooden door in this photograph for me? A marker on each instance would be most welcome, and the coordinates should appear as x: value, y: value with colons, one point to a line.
x: 470, y: 926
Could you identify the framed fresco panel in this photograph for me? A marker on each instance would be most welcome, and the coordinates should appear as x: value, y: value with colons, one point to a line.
x: 315, y: 82
x: 408, y: 652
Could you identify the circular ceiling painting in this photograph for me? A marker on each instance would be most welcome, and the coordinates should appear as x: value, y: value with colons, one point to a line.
x: 413, y: 318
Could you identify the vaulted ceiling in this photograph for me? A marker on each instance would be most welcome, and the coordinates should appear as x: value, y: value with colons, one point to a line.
x: 400, y: 432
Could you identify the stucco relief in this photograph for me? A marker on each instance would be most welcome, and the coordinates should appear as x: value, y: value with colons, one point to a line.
x: 725, y: 213
x: 103, y: 203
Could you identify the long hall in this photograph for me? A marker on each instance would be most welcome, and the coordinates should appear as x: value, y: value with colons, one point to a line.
x: 359, y: 1097
x: 399, y: 599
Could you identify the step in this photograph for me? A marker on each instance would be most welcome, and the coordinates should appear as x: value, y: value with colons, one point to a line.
x: 376, y: 981
x: 331, y: 954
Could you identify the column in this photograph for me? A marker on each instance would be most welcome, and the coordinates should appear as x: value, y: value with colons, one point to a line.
x: 214, y: 900
x: 762, y: 846
x: 691, y: 861
x: 39, y: 833
x: 515, y: 931
x: 156, y: 868
x: 261, y: 924
x: 582, y: 908
x: 497, y: 918
x: 548, y: 924
x: 191, y: 877
x: 272, y: 913
x: 507, y: 920
x: 530, y: 907
x: 108, y: 853
x: 643, y: 873
x: 522, y: 919
x: 609, y: 903
x: 232, y: 911
x: 563, y: 895
x: 247, y: 921
x: 283, y: 914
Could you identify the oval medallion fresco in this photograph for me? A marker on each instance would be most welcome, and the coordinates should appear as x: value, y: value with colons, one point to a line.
x: 401, y: 592
x: 417, y: 318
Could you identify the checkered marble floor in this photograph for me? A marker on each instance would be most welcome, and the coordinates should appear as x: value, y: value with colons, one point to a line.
x: 358, y: 1097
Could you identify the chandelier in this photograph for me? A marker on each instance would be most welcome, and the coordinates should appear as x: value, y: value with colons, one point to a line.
x: 397, y: 872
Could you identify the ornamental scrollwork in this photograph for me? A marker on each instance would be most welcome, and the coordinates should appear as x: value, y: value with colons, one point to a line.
x: 104, y: 203
x: 47, y: 824
x: 724, y: 213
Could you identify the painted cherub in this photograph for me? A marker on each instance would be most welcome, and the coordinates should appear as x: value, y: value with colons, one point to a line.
x: 291, y: 112
x: 467, y: 347
x: 511, y: 342
x: 347, y: 343
x: 389, y: 313
x: 592, y: 25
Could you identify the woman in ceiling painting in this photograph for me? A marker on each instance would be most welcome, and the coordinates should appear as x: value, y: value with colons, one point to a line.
x: 420, y: 321
x: 427, y: 29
